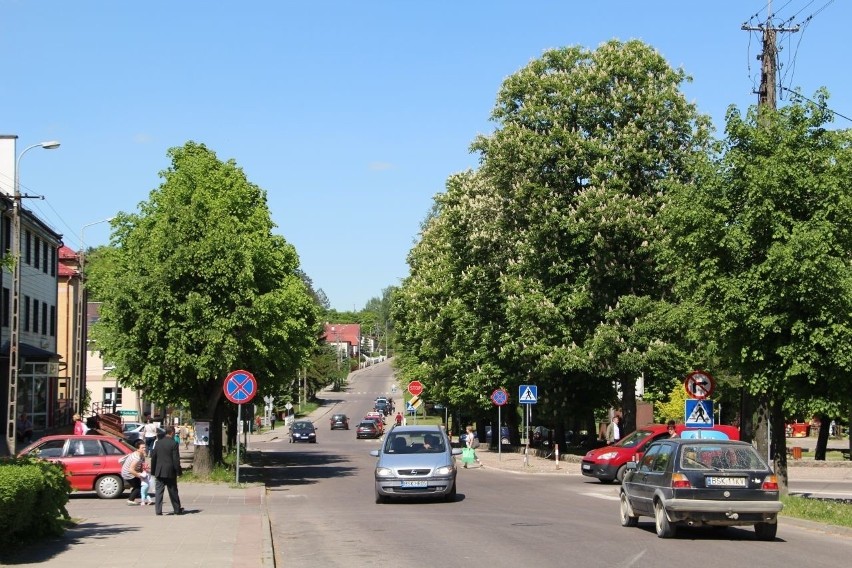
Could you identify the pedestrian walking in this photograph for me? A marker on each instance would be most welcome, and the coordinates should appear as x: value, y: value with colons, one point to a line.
x: 150, y: 433
x: 399, y: 419
x: 272, y: 421
x: 80, y: 427
x: 469, y: 451
x: 132, y: 466
x: 165, y: 466
x: 613, y: 431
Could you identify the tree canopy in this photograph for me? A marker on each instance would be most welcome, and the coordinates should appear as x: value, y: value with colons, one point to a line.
x: 196, y: 285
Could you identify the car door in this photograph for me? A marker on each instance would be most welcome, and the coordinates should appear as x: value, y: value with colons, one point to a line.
x: 638, y: 489
x: 84, y: 461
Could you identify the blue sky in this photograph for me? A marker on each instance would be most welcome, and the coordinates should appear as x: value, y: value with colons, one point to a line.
x: 351, y: 115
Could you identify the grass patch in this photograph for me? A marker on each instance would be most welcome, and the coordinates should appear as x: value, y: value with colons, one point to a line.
x: 817, y: 510
x: 306, y: 409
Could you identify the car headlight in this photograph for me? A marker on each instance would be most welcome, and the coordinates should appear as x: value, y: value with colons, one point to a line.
x: 384, y: 472
x: 445, y: 470
x: 607, y: 456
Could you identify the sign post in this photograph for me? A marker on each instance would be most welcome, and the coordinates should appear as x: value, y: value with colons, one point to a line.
x: 528, y: 395
x: 415, y: 389
x: 240, y: 388
x: 499, y: 397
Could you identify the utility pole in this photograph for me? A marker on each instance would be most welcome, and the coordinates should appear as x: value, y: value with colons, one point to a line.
x: 760, y: 432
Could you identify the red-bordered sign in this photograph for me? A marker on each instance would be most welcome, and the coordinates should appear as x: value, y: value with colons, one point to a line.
x: 415, y: 388
x: 240, y: 387
x: 500, y: 397
x: 699, y: 384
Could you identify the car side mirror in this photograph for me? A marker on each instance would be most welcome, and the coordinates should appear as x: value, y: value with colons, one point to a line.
x: 457, y: 451
x: 374, y: 453
x: 631, y: 465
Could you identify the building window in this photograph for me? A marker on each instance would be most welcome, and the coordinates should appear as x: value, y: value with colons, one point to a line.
x: 44, y: 256
x: 108, y: 394
x: 29, y: 246
x: 6, y: 306
x: 35, y: 315
x: 44, y: 318
x: 37, y: 259
x: 53, y: 261
x: 52, y: 321
x: 26, y: 313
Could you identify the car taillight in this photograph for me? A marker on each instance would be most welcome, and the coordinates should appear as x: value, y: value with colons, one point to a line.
x: 770, y: 483
x: 680, y: 481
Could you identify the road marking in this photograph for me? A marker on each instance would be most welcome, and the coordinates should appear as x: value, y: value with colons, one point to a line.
x: 602, y: 496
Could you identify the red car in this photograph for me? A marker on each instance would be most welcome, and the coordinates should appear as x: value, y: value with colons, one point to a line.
x: 609, y: 463
x: 90, y: 462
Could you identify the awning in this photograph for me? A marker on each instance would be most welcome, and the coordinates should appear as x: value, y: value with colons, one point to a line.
x: 28, y: 351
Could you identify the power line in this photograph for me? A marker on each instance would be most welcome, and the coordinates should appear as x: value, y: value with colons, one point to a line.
x: 819, y: 104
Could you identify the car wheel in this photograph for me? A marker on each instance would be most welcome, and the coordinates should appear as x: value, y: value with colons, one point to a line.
x: 380, y: 498
x: 766, y: 531
x: 109, y: 487
x: 664, y: 528
x: 619, y: 475
x: 451, y: 496
x: 627, y: 517
x: 313, y: 441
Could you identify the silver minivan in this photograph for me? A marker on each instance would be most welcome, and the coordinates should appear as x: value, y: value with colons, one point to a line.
x: 416, y: 461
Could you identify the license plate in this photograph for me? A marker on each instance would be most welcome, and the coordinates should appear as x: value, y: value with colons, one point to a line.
x: 586, y: 467
x: 413, y: 484
x: 726, y: 481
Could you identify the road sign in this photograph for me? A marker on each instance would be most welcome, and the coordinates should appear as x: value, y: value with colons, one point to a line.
x: 500, y: 397
x: 288, y: 406
x: 268, y: 399
x: 699, y: 384
x: 699, y: 414
x: 415, y: 388
x: 240, y: 387
x: 528, y: 394
x: 415, y: 402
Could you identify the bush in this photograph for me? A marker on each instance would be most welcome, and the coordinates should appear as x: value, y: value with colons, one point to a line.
x: 33, y: 495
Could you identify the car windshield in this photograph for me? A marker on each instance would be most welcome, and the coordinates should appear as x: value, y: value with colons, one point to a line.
x: 369, y: 424
x: 415, y: 442
x: 719, y: 457
x: 303, y: 426
x: 633, y: 439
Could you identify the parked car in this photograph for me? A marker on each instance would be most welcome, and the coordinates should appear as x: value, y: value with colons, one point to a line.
x: 90, y: 461
x: 135, y: 430
x: 504, y: 435
x: 416, y: 461
x: 303, y: 431
x: 382, y: 405
x: 700, y: 482
x: 367, y: 429
x: 339, y: 421
x: 609, y: 463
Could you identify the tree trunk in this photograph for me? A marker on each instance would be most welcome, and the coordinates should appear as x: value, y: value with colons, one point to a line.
x: 628, y: 406
x: 779, y: 446
x: 761, y: 429
x: 746, y: 416
x: 822, y: 438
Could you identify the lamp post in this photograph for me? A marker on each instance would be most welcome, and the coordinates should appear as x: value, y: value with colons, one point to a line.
x: 14, y: 339
x: 79, y: 332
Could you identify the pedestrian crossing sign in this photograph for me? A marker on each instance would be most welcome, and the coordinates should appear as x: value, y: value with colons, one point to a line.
x: 699, y: 413
x: 528, y: 394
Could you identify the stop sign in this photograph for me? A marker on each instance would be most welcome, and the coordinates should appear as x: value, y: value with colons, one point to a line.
x: 415, y: 388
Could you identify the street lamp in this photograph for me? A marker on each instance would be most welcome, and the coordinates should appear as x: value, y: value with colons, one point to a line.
x: 14, y: 339
x: 79, y: 337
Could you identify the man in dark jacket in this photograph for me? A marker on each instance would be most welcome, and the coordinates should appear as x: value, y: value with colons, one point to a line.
x: 165, y: 466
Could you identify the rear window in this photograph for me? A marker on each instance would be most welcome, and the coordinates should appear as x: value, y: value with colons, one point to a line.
x: 718, y: 457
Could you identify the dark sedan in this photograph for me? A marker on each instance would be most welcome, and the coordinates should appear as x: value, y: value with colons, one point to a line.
x: 696, y: 482
x: 339, y: 421
x: 303, y: 431
x: 368, y: 429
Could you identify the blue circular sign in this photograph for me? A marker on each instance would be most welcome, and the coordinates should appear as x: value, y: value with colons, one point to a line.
x: 500, y: 397
x: 240, y: 387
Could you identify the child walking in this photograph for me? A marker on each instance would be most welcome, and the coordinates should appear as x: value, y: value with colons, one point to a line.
x: 147, y: 486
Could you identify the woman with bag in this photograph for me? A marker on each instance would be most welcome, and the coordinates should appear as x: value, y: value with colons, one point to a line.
x: 469, y: 451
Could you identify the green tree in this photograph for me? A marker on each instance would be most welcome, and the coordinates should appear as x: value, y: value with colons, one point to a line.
x: 196, y: 285
x: 763, y: 244
x: 587, y: 144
